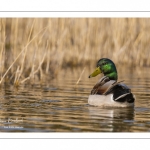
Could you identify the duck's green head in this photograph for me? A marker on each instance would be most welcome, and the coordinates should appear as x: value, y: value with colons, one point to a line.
x: 107, y: 67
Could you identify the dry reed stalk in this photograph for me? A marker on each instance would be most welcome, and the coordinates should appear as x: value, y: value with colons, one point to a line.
x: 80, y: 76
x: 16, y: 81
x: 33, y: 65
x: 2, y: 44
x: 48, y: 62
x: 25, y: 52
x: 39, y: 68
x: 32, y: 73
x: 20, y: 54
x: 13, y: 35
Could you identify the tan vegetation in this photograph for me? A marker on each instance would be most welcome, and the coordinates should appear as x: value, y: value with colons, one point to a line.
x: 35, y: 48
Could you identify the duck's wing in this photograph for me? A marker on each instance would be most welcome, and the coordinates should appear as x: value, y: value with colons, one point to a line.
x: 102, y: 86
x: 113, y: 85
x: 121, y: 93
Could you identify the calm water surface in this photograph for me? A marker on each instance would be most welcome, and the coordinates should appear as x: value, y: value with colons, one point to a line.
x: 61, y: 106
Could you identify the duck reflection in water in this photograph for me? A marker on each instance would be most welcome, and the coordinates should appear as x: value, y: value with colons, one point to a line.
x: 112, y: 119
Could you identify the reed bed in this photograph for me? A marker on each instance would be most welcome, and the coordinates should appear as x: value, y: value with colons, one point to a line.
x: 36, y: 48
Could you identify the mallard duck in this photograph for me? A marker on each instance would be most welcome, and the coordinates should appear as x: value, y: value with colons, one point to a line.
x: 107, y: 91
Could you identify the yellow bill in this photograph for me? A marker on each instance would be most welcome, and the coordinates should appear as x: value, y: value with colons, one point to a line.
x: 96, y: 72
